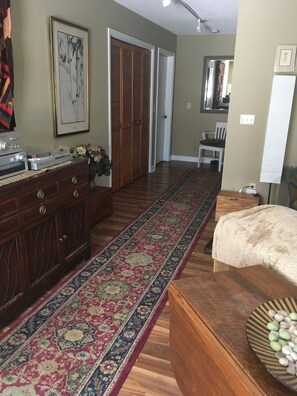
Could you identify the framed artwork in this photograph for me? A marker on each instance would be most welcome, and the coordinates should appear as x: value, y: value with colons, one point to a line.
x: 285, y: 58
x: 69, y: 53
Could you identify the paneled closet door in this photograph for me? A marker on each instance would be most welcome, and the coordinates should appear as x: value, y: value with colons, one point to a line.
x: 127, y: 114
x: 116, y: 113
x: 137, y: 109
x: 130, y: 74
x: 145, y: 111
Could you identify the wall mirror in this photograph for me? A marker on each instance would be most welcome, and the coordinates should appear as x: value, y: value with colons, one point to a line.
x: 217, y: 84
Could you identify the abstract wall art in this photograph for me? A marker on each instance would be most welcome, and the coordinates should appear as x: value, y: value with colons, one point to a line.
x: 69, y: 53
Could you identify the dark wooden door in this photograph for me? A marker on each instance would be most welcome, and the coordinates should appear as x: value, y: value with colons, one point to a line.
x: 130, y: 75
x: 137, y: 108
x: 127, y: 114
x: 74, y: 231
x: 11, y: 268
x: 145, y: 116
x: 116, y: 113
x: 43, y: 258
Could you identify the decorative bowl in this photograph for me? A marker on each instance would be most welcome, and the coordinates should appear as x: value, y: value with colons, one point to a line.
x: 257, y: 335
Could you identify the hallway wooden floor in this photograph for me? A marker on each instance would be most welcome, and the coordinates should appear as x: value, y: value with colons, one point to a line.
x: 152, y: 373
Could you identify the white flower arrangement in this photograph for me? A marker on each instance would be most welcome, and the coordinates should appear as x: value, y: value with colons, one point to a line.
x: 98, y: 159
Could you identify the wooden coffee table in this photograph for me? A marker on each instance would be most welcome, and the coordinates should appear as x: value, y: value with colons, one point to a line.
x: 209, y: 350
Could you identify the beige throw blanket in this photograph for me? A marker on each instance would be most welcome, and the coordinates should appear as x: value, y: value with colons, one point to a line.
x: 264, y: 235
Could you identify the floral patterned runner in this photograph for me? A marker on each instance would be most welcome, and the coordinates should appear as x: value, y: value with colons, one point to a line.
x: 84, y: 338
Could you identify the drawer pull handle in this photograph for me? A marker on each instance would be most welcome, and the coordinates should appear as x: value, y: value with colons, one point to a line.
x: 63, y: 238
x: 40, y: 194
x: 75, y: 194
x: 74, y: 180
x: 42, y: 210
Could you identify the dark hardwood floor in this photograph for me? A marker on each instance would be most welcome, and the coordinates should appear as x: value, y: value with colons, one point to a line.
x: 152, y: 373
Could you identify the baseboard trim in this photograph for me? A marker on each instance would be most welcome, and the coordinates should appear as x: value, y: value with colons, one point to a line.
x: 190, y: 159
x: 183, y: 158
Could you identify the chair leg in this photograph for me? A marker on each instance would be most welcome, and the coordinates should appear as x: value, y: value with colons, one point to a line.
x: 199, y: 157
x: 220, y: 160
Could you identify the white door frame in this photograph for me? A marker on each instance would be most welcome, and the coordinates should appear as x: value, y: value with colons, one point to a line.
x: 131, y: 40
x: 169, y: 101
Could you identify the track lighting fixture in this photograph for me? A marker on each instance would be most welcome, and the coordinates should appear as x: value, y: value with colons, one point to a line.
x: 166, y: 3
x: 200, y: 21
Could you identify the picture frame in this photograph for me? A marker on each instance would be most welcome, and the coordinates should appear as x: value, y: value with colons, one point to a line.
x: 69, y: 60
x: 285, y: 58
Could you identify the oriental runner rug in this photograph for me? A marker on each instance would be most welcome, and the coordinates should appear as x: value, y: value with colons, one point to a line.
x: 85, y: 336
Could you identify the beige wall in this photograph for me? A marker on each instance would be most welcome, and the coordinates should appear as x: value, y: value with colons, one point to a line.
x: 33, y: 86
x: 262, y: 25
x: 188, y: 124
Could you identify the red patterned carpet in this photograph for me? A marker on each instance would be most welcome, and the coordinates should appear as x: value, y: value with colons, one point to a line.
x: 85, y: 337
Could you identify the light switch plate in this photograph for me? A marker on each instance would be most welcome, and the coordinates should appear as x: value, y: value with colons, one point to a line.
x: 247, y: 119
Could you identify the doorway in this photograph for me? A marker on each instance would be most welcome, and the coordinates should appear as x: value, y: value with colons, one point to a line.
x: 164, y: 104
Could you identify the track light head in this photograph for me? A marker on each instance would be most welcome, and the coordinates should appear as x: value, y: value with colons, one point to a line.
x: 166, y: 3
x: 200, y: 21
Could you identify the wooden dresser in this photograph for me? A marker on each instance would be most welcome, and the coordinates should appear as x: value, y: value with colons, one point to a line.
x: 44, y: 232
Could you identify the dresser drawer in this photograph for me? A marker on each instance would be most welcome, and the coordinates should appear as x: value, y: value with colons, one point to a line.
x: 74, y: 179
x: 38, y: 194
x: 43, y: 209
x: 73, y: 194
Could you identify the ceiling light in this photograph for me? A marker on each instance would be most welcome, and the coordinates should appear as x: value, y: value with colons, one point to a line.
x: 200, y: 20
x: 166, y: 3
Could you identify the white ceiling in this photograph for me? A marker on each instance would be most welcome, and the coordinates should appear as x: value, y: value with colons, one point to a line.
x: 220, y: 15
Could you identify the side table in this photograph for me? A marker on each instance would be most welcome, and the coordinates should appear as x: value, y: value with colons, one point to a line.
x: 231, y: 201
x: 100, y: 204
